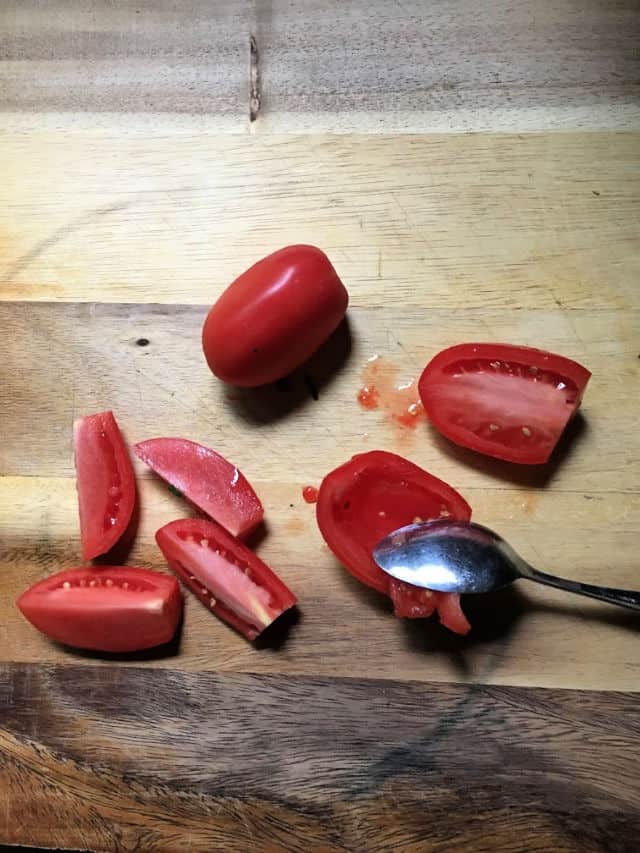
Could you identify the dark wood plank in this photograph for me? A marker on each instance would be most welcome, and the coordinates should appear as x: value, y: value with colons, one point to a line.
x: 159, y: 760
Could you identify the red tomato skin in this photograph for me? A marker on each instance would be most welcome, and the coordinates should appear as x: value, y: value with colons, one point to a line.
x: 386, y: 468
x: 197, y: 550
x: 394, y: 492
x: 95, y: 611
x: 274, y: 316
x: 106, y: 483
x: 552, y: 402
x: 205, y: 478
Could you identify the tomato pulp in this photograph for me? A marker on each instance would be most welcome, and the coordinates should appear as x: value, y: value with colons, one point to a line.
x: 273, y: 316
x: 111, y: 609
x: 507, y: 401
x: 228, y: 578
x: 204, y: 477
x: 106, y: 484
x: 372, y: 495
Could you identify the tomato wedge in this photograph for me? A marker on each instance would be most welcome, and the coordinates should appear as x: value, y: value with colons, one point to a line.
x: 204, y: 477
x: 111, y: 609
x: 507, y: 401
x: 106, y: 485
x: 366, y: 499
x: 225, y: 575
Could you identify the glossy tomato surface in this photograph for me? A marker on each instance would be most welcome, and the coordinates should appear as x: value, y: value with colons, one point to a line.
x: 274, y: 316
x: 507, y: 401
x: 228, y: 578
x: 204, y: 477
x: 110, y: 609
x: 372, y: 495
x: 105, y: 480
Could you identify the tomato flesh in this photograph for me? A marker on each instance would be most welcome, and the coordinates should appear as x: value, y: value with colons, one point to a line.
x: 106, y: 484
x: 274, y: 316
x: 228, y: 578
x: 111, y: 609
x: 204, y: 477
x: 506, y: 401
x: 369, y: 497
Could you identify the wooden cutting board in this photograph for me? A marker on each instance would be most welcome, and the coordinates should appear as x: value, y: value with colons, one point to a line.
x: 134, y: 188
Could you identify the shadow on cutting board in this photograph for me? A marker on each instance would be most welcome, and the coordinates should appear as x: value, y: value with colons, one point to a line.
x: 529, y: 476
x: 304, y: 386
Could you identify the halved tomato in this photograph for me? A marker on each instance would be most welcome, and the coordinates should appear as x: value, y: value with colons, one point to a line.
x: 226, y: 576
x: 507, y: 401
x: 111, y: 609
x: 106, y: 485
x: 204, y: 477
x: 372, y: 495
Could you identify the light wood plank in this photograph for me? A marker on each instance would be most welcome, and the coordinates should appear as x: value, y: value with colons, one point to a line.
x: 324, y: 65
x: 517, y: 636
x: 62, y: 360
x: 498, y: 222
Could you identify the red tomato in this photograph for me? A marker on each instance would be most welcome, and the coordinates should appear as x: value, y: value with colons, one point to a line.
x: 206, y: 479
x: 366, y: 499
x: 274, y: 316
x: 226, y: 576
x: 503, y: 400
x: 111, y: 609
x: 106, y: 485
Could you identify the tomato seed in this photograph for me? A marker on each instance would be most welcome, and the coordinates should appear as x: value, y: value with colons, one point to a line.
x: 212, y: 602
x: 204, y: 543
x: 493, y: 427
x: 526, y: 431
x: 108, y: 582
x: 66, y: 585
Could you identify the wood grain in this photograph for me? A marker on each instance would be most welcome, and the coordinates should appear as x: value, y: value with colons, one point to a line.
x: 137, y: 759
x: 325, y: 65
x: 578, y: 517
x: 455, y: 222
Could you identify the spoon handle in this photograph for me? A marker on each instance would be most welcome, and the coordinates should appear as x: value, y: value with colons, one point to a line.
x: 621, y: 597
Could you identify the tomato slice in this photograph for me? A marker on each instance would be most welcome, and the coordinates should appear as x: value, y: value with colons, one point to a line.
x: 224, y: 574
x: 507, y: 401
x: 106, y: 485
x: 372, y: 495
x: 111, y: 609
x: 204, y: 477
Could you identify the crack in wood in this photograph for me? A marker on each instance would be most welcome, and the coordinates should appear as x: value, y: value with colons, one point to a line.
x: 255, y: 82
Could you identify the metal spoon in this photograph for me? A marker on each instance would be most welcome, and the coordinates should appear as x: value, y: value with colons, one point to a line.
x: 458, y: 556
